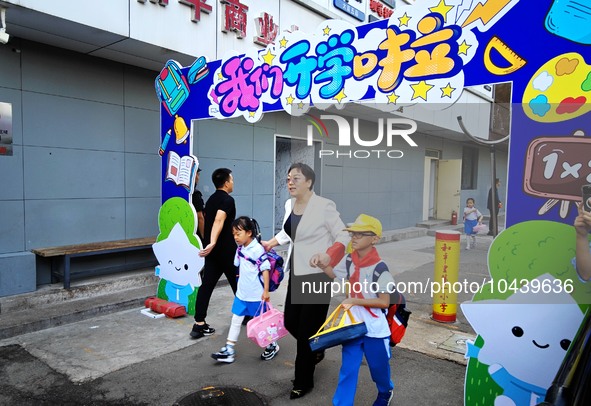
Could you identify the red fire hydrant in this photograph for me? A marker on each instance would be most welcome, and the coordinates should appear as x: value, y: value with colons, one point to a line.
x: 454, y: 218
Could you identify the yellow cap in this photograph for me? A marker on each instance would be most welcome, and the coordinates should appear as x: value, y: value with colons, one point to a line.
x: 366, y: 223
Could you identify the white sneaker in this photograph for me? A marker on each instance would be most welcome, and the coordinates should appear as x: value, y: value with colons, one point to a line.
x: 224, y: 355
x: 270, y: 352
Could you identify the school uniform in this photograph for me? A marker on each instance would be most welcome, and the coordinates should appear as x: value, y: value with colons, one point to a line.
x: 375, y: 345
x: 250, y: 289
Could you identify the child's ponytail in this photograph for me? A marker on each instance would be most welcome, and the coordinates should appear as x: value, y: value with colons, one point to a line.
x: 248, y: 224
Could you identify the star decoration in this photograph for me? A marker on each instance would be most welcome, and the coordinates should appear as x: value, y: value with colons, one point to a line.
x: 404, y: 20
x: 301, y: 105
x: 268, y: 57
x: 283, y: 42
x: 251, y: 114
x: 326, y: 30
x: 289, y: 99
x: 392, y: 97
x: 463, y: 48
x: 180, y: 266
x: 420, y: 90
x: 447, y: 90
x: 340, y: 96
x: 220, y: 76
x: 442, y: 9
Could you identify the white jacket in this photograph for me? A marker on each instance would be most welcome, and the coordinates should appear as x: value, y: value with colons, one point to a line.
x: 320, y: 227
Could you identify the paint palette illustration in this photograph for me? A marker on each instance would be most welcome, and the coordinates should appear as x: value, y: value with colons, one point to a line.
x: 560, y: 90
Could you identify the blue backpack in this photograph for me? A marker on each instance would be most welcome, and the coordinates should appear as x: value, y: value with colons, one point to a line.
x: 276, y: 273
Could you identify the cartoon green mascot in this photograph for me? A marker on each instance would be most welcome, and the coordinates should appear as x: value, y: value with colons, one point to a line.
x: 526, y: 317
x: 177, y: 250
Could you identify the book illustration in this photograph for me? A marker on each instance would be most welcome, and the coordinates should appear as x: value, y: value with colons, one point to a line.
x: 181, y: 171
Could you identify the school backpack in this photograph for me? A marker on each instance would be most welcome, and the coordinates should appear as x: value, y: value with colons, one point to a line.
x: 276, y: 273
x: 397, y: 314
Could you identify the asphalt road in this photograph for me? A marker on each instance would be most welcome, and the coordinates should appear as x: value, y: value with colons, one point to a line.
x: 126, y: 358
x: 419, y: 380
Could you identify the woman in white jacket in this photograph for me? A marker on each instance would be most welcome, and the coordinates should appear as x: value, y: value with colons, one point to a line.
x: 311, y: 225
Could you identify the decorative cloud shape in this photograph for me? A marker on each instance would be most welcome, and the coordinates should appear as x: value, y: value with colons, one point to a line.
x: 570, y: 105
x: 543, y: 81
x: 539, y: 105
x: 586, y: 85
x: 566, y: 66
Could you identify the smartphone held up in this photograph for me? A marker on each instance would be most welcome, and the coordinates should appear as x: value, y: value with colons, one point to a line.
x: 586, y: 192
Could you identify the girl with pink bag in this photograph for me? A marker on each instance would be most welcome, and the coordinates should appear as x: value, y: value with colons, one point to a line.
x: 472, y: 219
x: 250, y: 292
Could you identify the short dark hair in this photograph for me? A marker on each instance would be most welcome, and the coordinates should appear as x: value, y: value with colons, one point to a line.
x: 305, y: 170
x: 220, y: 176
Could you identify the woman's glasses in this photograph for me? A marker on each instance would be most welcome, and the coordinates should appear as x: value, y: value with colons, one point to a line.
x: 295, y: 179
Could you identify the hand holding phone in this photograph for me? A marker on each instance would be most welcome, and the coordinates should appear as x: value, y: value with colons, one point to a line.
x: 586, y: 192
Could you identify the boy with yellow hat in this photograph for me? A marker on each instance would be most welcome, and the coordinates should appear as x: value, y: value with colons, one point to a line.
x: 370, y: 282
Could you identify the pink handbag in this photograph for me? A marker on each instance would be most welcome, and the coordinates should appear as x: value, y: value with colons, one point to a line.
x: 267, y: 326
x: 480, y: 229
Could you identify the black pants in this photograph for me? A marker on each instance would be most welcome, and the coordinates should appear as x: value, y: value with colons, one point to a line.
x: 212, y: 271
x: 490, y: 222
x: 303, y: 321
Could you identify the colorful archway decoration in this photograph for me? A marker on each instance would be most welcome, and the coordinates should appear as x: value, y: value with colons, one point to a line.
x: 427, y: 53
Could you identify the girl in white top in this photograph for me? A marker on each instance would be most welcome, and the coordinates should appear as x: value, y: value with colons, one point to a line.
x: 250, y: 291
x: 472, y: 217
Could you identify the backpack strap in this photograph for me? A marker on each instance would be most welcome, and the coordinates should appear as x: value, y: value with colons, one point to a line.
x: 241, y: 254
x: 396, y: 298
x: 256, y: 262
x: 262, y: 259
x: 380, y: 268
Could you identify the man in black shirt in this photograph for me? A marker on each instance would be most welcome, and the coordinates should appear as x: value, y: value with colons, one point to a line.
x: 220, y: 247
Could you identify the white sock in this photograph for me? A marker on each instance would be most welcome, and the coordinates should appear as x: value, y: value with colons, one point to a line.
x: 235, y: 326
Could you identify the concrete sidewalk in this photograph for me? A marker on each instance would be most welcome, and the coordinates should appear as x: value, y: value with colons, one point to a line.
x: 130, y: 353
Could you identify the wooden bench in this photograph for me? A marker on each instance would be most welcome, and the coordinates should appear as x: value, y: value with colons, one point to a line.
x: 67, y: 252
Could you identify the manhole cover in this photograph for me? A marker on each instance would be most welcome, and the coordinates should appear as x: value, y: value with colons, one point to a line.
x: 222, y: 396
